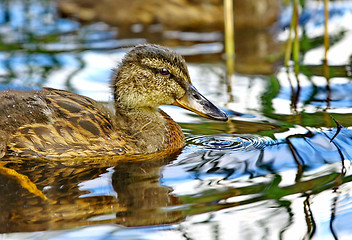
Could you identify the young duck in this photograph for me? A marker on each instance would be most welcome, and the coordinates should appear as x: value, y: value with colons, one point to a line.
x: 57, y: 123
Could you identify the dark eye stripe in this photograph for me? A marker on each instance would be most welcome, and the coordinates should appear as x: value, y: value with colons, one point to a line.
x: 157, y: 70
x: 164, y: 71
x: 181, y: 82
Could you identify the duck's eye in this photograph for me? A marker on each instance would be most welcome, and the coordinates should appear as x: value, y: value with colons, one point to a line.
x: 164, y: 71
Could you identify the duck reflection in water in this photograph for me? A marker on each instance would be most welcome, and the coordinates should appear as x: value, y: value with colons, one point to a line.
x: 73, y: 199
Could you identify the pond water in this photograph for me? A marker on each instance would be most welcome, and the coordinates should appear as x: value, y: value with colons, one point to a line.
x: 278, y: 169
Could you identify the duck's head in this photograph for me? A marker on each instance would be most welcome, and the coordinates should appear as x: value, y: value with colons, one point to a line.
x: 151, y: 75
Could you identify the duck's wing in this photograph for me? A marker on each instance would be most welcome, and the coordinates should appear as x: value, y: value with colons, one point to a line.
x: 58, y: 123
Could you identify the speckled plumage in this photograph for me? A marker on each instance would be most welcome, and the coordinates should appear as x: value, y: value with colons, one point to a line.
x: 57, y: 123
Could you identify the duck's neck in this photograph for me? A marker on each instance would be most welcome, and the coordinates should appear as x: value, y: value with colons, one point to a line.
x: 151, y: 128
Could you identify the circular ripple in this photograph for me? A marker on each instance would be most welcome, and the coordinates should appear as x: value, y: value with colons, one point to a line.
x: 221, y: 142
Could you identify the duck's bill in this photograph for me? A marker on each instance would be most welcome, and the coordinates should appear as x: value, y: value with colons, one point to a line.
x: 196, y: 102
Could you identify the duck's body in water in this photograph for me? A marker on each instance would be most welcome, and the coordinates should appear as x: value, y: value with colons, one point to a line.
x: 57, y: 123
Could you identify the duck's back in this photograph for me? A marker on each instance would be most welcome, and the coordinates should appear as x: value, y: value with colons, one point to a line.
x: 59, y: 124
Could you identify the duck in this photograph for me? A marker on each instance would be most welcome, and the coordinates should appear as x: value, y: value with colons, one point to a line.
x: 58, y: 123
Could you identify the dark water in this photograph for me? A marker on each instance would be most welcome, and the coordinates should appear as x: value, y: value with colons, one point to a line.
x: 276, y: 170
